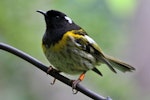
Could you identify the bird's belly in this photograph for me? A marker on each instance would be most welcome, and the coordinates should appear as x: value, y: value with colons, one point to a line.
x: 71, y: 61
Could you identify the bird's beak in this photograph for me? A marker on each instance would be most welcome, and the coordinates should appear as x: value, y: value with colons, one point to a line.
x: 42, y: 12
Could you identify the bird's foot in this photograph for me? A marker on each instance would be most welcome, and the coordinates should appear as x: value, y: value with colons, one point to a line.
x: 75, y: 83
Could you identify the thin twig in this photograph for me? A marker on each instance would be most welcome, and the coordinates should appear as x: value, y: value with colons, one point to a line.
x: 53, y: 73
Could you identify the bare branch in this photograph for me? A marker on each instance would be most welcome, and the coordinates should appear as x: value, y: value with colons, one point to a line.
x: 53, y: 72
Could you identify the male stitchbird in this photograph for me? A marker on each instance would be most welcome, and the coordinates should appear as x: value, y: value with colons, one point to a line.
x: 70, y: 49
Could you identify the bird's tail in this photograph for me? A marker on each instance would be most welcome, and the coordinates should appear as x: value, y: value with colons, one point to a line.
x: 115, y: 63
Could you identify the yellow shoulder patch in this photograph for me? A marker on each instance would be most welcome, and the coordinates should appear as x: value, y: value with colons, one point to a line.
x: 57, y: 47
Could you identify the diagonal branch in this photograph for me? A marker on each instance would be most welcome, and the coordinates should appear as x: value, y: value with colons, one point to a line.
x: 53, y: 73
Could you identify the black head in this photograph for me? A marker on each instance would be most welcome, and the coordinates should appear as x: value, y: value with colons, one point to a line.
x: 56, y: 19
x: 57, y: 23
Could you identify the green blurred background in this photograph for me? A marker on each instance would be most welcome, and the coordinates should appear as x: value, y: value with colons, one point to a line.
x: 114, y: 24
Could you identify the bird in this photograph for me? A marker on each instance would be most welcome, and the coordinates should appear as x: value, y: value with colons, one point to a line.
x: 71, y: 50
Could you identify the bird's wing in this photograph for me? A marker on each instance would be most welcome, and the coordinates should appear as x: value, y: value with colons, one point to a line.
x: 82, y: 41
x: 87, y: 44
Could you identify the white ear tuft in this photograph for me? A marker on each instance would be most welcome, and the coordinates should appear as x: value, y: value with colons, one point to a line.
x: 68, y: 19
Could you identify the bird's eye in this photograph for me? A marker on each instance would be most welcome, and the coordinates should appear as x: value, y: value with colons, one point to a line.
x: 57, y: 17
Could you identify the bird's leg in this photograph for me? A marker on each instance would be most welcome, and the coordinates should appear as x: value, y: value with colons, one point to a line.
x: 48, y: 71
x: 75, y: 82
x: 53, y: 82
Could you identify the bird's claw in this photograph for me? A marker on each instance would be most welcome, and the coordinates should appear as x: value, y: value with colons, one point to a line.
x: 53, y: 82
x: 74, y: 85
x: 49, y: 69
